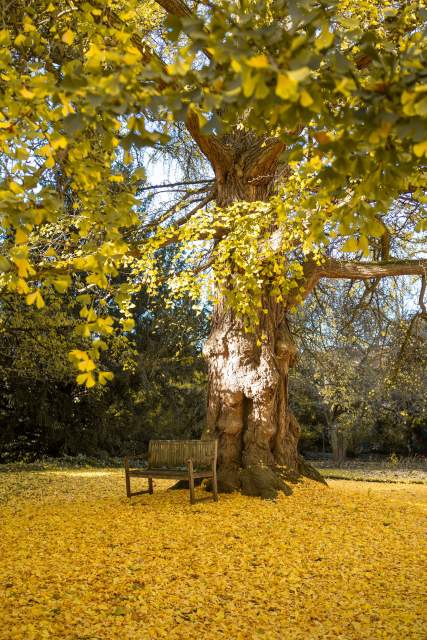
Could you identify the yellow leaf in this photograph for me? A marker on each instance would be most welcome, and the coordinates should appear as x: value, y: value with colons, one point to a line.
x: 68, y: 37
x: 86, y: 365
x: 24, y: 267
x: 306, y: 99
x: 28, y: 95
x: 91, y: 315
x: 315, y: 163
x: 133, y: 56
x: 286, y: 87
x: 4, y: 37
x: 128, y: 15
x: 376, y: 228
x: 21, y: 236
x: 76, y: 354
x: 35, y: 297
x: 364, y: 245
x: 60, y: 142
x: 249, y: 83
x: 128, y: 324
x: 350, y: 245
x: 15, y: 187
x: 98, y: 279
x: 325, y: 38
x: 90, y: 381
x: 299, y: 74
x: 345, y: 86
x: 4, y: 264
x: 20, y: 39
x: 420, y: 149
x: 86, y: 379
x: 104, y: 376
x: 61, y: 285
x: 22, y: 287
x: 258, y: 62
x: 87, y: 262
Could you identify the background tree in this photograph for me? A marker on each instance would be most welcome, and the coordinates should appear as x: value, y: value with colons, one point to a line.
x: 360, y: 383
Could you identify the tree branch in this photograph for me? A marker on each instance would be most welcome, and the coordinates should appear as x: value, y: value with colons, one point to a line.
x: 365, y: 270
x: 176, y: 8
x: 215, y: 152
x: 218, y: 154
x: 337, y: 269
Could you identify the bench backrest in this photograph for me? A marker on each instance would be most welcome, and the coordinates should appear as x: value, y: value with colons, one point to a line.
x: 175, y: 453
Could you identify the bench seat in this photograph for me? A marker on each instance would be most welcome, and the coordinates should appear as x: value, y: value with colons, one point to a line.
x: 168, y: 473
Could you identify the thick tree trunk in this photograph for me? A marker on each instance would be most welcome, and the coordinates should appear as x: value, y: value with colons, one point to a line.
x: 338, y: 440
x: 248, y: 403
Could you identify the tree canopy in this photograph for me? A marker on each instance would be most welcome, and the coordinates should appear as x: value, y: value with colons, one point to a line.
x: 327, y: 95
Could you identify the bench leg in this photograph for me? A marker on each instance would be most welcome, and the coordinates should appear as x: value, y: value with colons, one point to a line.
x: 191, y: 482
x: 127, y: 478
x: 150, y: 485
x: 215, y: 486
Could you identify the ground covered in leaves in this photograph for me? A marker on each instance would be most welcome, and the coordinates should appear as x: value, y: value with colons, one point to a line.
x: 80, y: 561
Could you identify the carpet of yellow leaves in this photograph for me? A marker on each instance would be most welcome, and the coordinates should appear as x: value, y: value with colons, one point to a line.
x: 81, y: 562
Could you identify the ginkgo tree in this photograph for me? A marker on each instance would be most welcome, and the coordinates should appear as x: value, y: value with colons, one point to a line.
x: 303, y: 127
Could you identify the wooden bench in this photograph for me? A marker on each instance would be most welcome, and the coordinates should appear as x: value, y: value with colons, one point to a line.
x: 177, y: 459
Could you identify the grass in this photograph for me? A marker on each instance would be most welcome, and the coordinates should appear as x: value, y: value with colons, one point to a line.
x: 81, y: 562
x: 406, y: 470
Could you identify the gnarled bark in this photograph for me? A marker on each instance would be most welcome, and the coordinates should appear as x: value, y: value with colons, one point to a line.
x: 248, y: 403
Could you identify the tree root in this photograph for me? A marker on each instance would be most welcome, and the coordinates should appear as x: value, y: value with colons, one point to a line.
x: 262, y: 482
x: 308, y: 471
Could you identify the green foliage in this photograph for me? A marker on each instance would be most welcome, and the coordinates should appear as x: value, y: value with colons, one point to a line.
x: 85, y: 94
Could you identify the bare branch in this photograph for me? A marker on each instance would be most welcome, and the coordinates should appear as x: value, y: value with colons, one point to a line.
x: 152, y: 187
x: 174, y: 236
